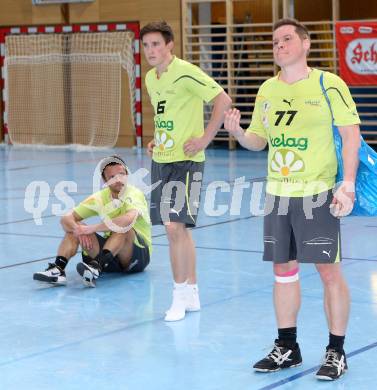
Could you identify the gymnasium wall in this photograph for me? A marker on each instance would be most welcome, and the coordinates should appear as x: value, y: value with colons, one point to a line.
x: 260, y: 11
x: 22, y: 12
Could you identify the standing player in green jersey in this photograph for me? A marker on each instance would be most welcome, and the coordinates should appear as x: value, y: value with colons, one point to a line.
x: 291, y: 115
x: 177, y: 90
x: 126, y: 244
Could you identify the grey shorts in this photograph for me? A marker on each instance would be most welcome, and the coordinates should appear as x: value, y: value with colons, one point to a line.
x: 139, y: 260
x: 303, y: 233
x: 177, y: 197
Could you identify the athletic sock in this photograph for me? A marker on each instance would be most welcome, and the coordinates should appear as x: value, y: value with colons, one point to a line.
x: 287, y: 337
x: 61, y: 262
x: 336, y: 342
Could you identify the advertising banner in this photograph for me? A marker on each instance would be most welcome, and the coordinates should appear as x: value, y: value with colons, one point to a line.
x: 357, y: 51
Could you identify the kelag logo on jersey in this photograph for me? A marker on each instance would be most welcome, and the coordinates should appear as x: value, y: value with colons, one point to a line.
x: 161, y: 124
x: 292, y: 142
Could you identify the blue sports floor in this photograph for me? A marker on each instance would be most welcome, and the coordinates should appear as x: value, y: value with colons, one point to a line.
x: 114, y: 336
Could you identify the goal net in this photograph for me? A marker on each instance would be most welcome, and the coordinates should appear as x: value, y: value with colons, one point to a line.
x: 68, y: 88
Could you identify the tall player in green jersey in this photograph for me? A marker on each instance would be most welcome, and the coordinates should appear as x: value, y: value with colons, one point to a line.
x: 291, y: 115
x: 177, y: 90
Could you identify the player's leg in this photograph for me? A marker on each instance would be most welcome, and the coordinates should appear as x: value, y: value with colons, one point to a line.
x: 178, y: 247
x: 55, y: 272
x: 287, y: 296
x: 192, y: 290
x: 318, y: 234
x: 337, y: 305
x: 191, y: 207
x: 280, y: 247
x: 161, y: 206
x: 183, y: 193
x: 132, y: 257
x: 89, y: 268
x: 336, y: 294
x: 118, y: 245
x: 336, y: 297
x: 120, y: 252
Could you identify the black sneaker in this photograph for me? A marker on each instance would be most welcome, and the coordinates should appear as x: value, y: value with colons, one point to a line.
x: 280, y: 357
x: 334, y: 366
x: 89, y: 272
x: 53, y: 274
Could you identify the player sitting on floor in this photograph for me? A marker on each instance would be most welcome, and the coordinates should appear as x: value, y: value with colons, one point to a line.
x: 126, y: 244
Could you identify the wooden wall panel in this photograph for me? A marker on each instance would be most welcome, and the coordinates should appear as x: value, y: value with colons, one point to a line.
x: 358, y: 9
x: 313, y: 10
x: 84, y: 12
x: 121, y: 10
x: 255, y: 11
x: 23, y: 12
x: 258, y: 11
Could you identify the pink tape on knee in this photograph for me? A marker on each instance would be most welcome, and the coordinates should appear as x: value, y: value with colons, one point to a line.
x: 292, y: 272
x: 287, y: 277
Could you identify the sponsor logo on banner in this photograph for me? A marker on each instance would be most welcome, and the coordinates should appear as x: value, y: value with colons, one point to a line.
x: 365, y: 30
x: 361, y: 56
x: 347, y: 30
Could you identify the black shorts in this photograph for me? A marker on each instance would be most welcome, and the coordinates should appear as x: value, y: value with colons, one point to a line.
x: 303, y: 233
x: 177, y: 197
x: 139, y: 260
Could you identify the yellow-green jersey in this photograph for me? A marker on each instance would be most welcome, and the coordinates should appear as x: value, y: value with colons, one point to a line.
x: 296, y: 121
x: 177, y: 98
x: 102, y: 204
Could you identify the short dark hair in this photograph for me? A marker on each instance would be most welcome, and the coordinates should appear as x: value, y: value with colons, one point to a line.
x: 159, y: 27
x: 300, y: 29
x: 110, y: 161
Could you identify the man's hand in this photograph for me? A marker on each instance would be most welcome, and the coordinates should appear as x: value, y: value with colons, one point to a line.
x: 194, y: 146
x: 84, y: 230
x: 232, y: 123
x: 83, y: 233
x: 150, y: 146
x: 344, y: 198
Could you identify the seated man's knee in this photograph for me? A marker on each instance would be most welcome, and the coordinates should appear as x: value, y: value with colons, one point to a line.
x: 123, y: 237
x: 70, y: 236
x: 286, y: 273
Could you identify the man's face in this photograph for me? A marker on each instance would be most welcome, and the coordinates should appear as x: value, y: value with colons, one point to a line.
x: 116, y: 177
x: 288, y: 47
x: 156, y: 51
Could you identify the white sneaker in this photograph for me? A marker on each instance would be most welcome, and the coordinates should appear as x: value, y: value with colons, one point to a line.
x: 192, y: 298
x: 53, y: 274
x: 89, y: 273
x: 177, y: 309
